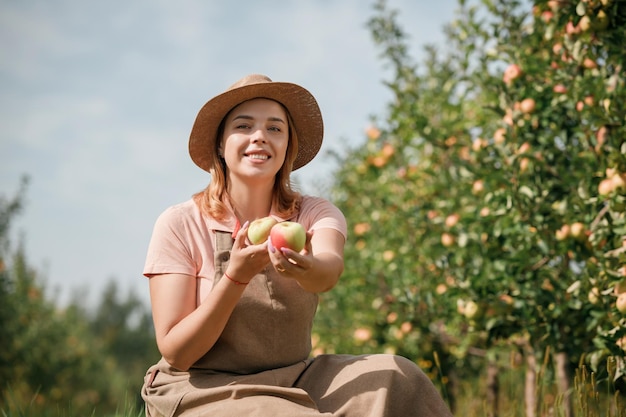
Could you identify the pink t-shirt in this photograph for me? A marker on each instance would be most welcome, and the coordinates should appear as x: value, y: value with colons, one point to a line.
x: 183, y: 240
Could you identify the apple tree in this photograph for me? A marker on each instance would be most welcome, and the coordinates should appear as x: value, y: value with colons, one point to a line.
x: 487, y: 205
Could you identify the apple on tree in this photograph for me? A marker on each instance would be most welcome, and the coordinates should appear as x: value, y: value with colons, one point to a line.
x: 620, y: 303
x: 290, y: 235
x: 472, y: 310
x: 512, y: 73
x: 577, y: 230
x: 620, y: 287
x: 259, y: 229
x: 528, y: 105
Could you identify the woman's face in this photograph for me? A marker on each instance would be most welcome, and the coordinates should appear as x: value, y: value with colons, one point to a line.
x: 256, y: 135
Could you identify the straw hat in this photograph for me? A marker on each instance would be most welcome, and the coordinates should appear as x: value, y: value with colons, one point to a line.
x: 299, y: 102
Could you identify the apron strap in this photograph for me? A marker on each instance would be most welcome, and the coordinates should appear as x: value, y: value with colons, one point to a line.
x: 223, y: 246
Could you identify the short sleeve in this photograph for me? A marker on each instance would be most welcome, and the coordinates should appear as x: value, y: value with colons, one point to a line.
x: 169, y: 250
x: 318, y: 213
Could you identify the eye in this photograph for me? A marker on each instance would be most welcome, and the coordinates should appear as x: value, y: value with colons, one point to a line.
x: 242, y: 126
x: 275, y: 129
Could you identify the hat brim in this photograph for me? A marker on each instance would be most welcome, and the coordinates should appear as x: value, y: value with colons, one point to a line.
x: 302, y: 106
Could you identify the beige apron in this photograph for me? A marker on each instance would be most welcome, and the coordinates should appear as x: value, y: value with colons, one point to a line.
x: 260, y: 366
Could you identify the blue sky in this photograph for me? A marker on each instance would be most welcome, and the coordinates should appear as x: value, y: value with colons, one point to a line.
x: 97, y: 100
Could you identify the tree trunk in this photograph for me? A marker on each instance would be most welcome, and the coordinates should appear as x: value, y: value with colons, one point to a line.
x: 530, y: 385
x: 452, y: 389
x: 493, y: 388
x: 563, y: 381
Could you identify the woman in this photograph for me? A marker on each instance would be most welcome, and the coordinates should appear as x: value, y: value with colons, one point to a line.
x: 233, y: 320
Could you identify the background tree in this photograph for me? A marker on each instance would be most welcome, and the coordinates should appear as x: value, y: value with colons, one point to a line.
x: 69, y: 358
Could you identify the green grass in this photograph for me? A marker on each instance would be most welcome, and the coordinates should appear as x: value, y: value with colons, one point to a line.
x: 590, y: 398
x: 36, y: 408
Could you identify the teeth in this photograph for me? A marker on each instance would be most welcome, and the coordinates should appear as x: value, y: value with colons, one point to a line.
x: 258, y: 156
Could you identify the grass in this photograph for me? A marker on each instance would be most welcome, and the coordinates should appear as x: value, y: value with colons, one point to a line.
x: 590, y: 397
x: 34, y: 408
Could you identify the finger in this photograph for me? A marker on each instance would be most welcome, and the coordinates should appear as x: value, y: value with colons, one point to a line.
x: 292, y: 256
x: 242, y: 234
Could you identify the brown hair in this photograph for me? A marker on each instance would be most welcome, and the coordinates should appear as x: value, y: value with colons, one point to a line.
x: 285, y: 199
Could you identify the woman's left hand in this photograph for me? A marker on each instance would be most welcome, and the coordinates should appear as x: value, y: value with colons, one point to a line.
x: 290, y: 263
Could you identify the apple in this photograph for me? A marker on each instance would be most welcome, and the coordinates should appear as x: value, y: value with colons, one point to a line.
x: 622, y: 343
x: 362, y: 334
x: 571, y: 29
x: 512, y: 73
x: 563, y: 233
x: 577, y: 230
x: 585, y: 23
x: 601, y: 136
x: 618, y: 181
x: 478, y: 144
x: 524, y: 148
x: 378, y: 161
x: 589, y: 63
x: 508, y: 117
x: 605, y: 187
x: 547, y: 16
x: 523, y: 164
x: 554, y: 4
x: 472, y: 310
x: 499, y: 136
x: 372, y: 133
x: 528, y: 105
x: 620, y: 288
x: 388, y: 255
x: 361, y: 228
x: 621, y: 303
x: 447, y: 239
x: 406, y: 327
x: 388, y: 150
x: 452, y: 220
x: 601, y: 21
x: 259, y: 229
x: 478, y: 186
x: 289, y: 235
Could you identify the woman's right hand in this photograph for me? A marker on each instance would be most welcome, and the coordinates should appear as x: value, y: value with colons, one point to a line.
x: 246, y: 260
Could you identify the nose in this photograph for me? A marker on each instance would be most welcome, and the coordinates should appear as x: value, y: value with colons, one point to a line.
x: 258, y: 136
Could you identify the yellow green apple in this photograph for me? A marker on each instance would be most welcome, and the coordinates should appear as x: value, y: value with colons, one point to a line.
x: 259, y: 229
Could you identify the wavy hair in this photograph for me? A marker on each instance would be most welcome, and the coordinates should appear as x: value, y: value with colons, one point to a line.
x: 285, y: 199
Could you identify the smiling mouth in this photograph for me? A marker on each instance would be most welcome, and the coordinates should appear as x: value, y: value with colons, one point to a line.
x: 258, y: 156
